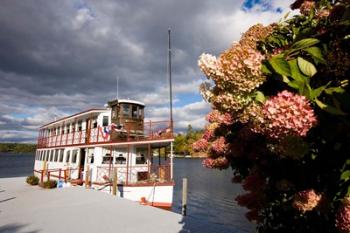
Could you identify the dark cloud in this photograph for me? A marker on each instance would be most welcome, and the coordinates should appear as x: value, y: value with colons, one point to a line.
x: 65, y: 55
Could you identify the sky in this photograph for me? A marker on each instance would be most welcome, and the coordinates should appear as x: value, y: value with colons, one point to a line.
x: 61, y: 57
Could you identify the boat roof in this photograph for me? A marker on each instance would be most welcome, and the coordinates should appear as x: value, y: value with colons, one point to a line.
x: 86, y: 112
x: 130, y: 101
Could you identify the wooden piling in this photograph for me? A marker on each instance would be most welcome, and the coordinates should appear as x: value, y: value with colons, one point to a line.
x: 184, y: 197
x: 115, y: 182
x: 87, y: 177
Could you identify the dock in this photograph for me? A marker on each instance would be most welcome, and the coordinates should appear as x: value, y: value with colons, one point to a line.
x: 31, y: 209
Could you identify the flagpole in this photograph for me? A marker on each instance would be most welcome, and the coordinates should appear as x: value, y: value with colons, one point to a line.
x: 171, y: 107
x: 170, y: 83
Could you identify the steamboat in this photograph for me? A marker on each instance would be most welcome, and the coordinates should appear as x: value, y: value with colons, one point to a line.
x: 112, y: 149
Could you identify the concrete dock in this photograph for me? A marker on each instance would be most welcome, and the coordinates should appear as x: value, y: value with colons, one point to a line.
x: 31, y: 209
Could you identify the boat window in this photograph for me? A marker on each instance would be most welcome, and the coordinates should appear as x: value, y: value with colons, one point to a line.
x: 58, y: 130
x: 56, y: 155
x: 120, y: 159
x: 62, y: 131
x: 61, y: 156
x: 92, y: 158
x: 73, y: 127
x: 68, y: 156
x: 74, y: 156
x: 80, y: 125
x: 51, y: 156
x: 125, y: 110
x: 94, y: 123
x: 140, y: 156
x: 105, y: 121
x: 107, y: 159
x: 134, y: 111
x: 68, y: 129
x: 46, y: 155
x: 140, y: 112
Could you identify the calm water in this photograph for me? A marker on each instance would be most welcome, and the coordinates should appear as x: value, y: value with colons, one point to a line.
x: 211, y: 207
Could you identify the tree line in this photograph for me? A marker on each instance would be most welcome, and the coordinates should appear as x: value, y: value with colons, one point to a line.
x: 17, y: 147
x: 183, y: 142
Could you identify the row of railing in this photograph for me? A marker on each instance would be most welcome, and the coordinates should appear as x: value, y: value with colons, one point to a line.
x: 130, y: 175
x: 151, y: 131
x: 134, y: 174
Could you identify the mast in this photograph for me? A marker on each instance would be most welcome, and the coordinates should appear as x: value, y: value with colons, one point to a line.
x: 170, y: 84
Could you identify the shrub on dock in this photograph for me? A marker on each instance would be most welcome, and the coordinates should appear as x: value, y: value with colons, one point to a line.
x: 49, y: 184
x: 32, y: 180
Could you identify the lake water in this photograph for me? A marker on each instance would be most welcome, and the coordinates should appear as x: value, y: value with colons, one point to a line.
x: 211, y: 207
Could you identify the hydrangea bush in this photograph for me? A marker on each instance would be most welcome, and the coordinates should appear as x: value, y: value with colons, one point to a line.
x: 280, y: 119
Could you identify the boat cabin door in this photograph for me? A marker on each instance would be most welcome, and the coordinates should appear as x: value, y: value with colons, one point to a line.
x: 82, y: 162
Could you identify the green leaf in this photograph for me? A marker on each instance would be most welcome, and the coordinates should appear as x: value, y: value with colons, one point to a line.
x: 332, y: 90
x: 306, y: 67
x: 318, y: 91
x: 260, y: 97
x: 280, y: 65
x: 345, y: 175
x: 316, y: 54
x: 295, y: 72
x: 348, y: 192
x: 265, y: 69
x: 329, y: 109
x: 304, y: 43
x: 296, y: 85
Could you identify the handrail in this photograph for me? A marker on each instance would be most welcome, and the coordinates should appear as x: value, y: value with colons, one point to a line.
x: 152, y: 130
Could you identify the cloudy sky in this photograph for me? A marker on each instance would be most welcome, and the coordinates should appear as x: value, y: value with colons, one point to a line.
x: 61, y: 57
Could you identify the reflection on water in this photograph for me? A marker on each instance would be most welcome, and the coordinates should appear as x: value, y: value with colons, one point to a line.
x: 210, y: 208
x: 210, y: 196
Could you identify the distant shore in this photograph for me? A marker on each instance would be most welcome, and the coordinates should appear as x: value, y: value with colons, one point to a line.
x: 17, y: 148
x: 189, y: 157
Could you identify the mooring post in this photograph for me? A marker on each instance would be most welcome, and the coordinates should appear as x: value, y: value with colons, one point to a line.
x: 87, y: 177
x: 42, y: 176
x: 115, y: 182
x: 184, y: 196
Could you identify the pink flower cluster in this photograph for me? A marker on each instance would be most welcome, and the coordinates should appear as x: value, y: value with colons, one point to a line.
x: 231, y: 102
x: 220, y: 163
x: 241, y: 67
x: 200, y: 145
x: 209, y: 65
x: 306, y: 7
x: 236, y: 73
x: 209, y: 131
x: 286, y: 114
x: 342, y: 219
x: 219, y: 146
x: 255, y: 33
x: 306, y: 200
x: 216, y: 116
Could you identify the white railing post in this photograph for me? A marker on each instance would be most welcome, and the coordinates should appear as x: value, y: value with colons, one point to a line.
x: 171, y: 161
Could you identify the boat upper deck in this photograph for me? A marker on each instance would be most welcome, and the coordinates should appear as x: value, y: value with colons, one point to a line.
x: 122, y: 122
x: 152, y: 131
